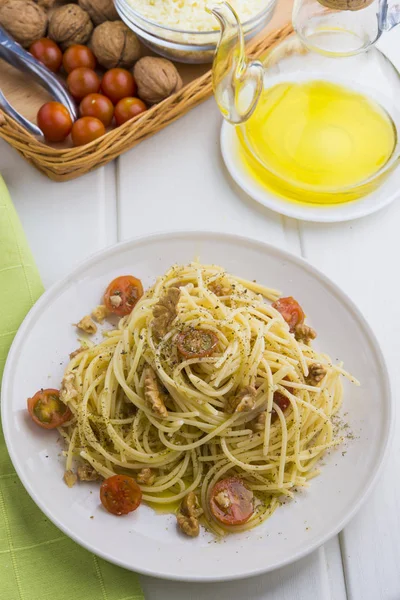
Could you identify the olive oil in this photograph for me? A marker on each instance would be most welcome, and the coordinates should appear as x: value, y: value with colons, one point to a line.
x: 317, y: 141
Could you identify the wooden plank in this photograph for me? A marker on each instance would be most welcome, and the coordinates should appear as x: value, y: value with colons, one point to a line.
x: 64, y: 222
x: 361, y: 257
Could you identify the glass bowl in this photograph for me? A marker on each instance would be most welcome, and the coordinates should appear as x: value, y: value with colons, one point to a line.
x: 181, y: 45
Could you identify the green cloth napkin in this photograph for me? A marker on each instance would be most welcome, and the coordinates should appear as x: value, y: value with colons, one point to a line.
x: 37, y: 561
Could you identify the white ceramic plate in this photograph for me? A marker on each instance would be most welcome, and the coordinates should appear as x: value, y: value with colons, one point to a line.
x: 384, y: 195
x: 149, y: 542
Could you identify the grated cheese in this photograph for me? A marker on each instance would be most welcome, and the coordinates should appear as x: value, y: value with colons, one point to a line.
x: 190, y: 15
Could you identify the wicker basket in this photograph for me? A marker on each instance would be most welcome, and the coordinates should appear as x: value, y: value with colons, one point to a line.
x: 69, y: 163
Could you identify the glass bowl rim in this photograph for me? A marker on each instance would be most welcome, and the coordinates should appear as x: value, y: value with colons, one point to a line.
x: 135, y: 14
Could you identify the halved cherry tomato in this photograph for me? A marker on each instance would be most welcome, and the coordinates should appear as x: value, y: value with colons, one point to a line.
x: 290, y: 310
x: 78, y: 56
x: 231, y: 502
x: 196, y: 343
x: 86, y: 129
x: 117, y: 84
x: 127, y: 108
x: 47, y: 410
x: 48, y: 53
x: 97, y: 105
x: 120, y: 494
x: 122, y: 294
x: 55, y: 121
x: 83, y: 81
x: 282, y: 402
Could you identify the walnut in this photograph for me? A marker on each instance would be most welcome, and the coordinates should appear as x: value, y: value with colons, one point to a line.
x: 67, y: 389
x: 70, y: 478
x: 88, y: 473
x: 346, y: 4
x: 69, y: 25
x: 188, y: 515
x: 152, y: 392
x: 116, y: 300
x: 76, y: 352
x: 99, y: 313
x: 115, y: 45
x: 99, y: 10
x: 316, y: 373
x: 258, y: 424
x: 219, y: 288
x: 304, y: 333
x: 25, y: 21
x: 156, y: 78
x: 46, y: 4
x: 244, y: 400
x: 87, y: 325
x: 146, y: 477
x: 165, y: 311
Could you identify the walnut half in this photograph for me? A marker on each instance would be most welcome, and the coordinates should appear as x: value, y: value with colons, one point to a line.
x: 188, y: 515
x: 87, y: 325
x: 304, y: 333
x: 146, y: 476
x: 152, y: 392
x: 316, y: 373
x: 165, y: 311
x: 243, y: 401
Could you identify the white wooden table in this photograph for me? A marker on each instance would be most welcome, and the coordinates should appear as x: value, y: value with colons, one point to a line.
x: 159, y: 186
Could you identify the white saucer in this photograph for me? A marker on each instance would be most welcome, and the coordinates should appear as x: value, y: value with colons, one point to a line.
x: 348, y: 211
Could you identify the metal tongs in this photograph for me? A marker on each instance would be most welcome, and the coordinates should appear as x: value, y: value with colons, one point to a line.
x: 22, y: 60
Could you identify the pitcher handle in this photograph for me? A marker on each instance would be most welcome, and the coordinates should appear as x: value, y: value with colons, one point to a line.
x: 237, y: 82
x: 389, y: 15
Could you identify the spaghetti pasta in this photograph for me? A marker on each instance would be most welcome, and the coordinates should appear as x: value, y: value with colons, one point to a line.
x: 236, y: 398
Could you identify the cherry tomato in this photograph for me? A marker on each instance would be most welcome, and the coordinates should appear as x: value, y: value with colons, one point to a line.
x: 291, y: 311
x: 97, y: 105
x: 231, y: 502
x: 127, y: 108
x: 78, y: 56
x: 122, y: 294
x: 120, y: 494
x: 47, y: 410
x: 86, y: 129
x: 196, y: 343
x: 282, y: 402
x: 117, y: 84
x: 55, y: 121
x: 83, y: 81
x: 48, y: 53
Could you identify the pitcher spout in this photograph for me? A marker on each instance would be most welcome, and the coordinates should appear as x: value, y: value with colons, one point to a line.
x: 389, y: 15
x: 237, y: 82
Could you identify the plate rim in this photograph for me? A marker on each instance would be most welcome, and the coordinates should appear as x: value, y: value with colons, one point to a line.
x: 313, y: 213
x: 96, y: 258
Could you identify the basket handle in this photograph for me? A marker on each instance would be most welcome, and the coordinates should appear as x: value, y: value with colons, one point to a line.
x: 22, y: 60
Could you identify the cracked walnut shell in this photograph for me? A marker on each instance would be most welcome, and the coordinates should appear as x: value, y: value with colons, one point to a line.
x: 115, y: 45
x: 69, y: 25
x: 100, y: 10
x: 156, y: 78
x: 25, y: 21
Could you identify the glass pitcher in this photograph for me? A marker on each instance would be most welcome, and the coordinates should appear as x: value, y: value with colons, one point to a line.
x: 318, y: 116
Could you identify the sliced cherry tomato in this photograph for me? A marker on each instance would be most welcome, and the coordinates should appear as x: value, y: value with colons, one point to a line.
x: 86, y: 129
x: 127, y: 108
x: 83, y: 81
x: 78, y: 56
x: 122, y: 294
x: 55, y: 121
x: 196, y: 343
x: 282, y: 402
x: 47, y: 410
x: 291, y: 311
x: 48, y: 53
x: 117, y: 84
x: 97, y: 105
x: 231, y: 502
x: 120, y: 494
